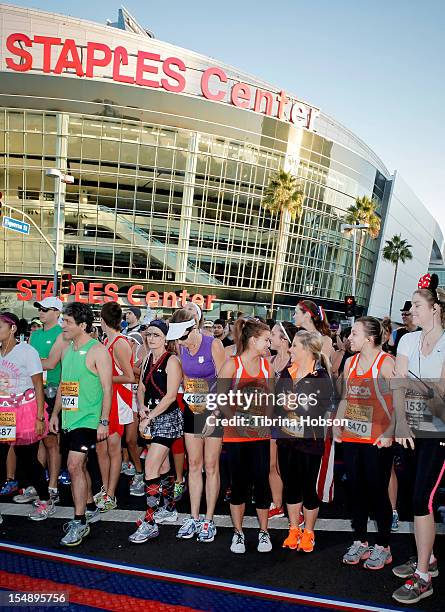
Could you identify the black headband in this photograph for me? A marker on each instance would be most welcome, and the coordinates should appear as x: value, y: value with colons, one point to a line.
x: 160, y: 324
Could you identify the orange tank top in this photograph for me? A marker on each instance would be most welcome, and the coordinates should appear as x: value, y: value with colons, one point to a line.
x: 248, y: 385
x: 369, y: 402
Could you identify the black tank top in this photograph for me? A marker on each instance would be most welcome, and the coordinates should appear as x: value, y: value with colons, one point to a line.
x: 154, y: 378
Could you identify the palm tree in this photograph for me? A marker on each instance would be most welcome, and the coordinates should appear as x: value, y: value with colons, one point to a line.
x: 283, y: 196
x: 396, y: 250
x: 361, y: 213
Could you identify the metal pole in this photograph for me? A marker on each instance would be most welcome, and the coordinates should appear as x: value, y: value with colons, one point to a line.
x: 57, y: 250
x: 354, y: 246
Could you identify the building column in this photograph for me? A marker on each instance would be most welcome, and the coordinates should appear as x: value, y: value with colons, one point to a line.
x: 62, y: 123
x: 187, y: 208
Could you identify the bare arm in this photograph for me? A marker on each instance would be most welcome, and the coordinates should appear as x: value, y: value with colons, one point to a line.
x: 104, y: 369
x: 122, y: 354
x: 223, y: 385
x: 218, y: 354
x: 56, y: 353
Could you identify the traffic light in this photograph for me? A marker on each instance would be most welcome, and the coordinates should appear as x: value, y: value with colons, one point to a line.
x: 350, y: 304
x: 65, y: 283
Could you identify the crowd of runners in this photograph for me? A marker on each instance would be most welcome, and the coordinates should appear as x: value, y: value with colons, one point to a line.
x: 158, y: 400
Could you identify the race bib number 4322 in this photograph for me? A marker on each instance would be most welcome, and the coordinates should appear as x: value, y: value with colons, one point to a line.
x: 70, y: 395
x: 7, y: 427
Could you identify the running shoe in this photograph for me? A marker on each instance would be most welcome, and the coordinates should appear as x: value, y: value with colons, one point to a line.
x: 395, y: 521
x: 42, y: 510
x: 264, y: 543
x: 356, y: 552
x: 275, y: 512
x: 124, y: 466
x: 413, y: 590
x: 92, y: 516
x: 75, y: 532
x: 379, y: 557
x: 307, y: 541
x: 54, y: 495
x: 208, y: 531
x: 10, y: 487
x: 180, y: 489
x: 293, y: 539
x: 64, y: 478
x: 189, y: 528
x: 137, y: 486
x: 130, y: 470
x: 25, y: 496
x: 406, y: 570
x: 99, y: 495
x: 162, y: 515
x: 107, y: 503
x: 238, y: 545
x: 145, y: 531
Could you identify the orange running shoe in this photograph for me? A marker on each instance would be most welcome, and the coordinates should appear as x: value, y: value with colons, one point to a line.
x: 307, y: 541
x: 293, y: 539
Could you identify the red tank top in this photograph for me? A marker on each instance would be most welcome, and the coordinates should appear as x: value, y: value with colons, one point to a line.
x: 122, y: 398
x: 248, y: 384
x: 369, y: 402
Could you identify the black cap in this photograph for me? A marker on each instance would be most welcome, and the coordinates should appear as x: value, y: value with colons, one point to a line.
x: 136, y: 311
x: 407, y: 306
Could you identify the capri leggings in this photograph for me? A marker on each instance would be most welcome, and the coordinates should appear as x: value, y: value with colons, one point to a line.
x: 368, y: 470
x: 430, y: 469
x: 299, y: 473
x: 249, y: 466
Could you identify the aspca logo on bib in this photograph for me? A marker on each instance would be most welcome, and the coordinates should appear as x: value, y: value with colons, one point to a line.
x: 358, y: 391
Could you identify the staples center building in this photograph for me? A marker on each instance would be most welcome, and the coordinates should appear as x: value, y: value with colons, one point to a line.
x: 170, y: 153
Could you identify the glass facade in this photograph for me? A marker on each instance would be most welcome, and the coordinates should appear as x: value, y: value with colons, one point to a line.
x: 154, y: 203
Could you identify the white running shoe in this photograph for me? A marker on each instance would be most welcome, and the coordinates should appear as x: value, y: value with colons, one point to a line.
x: 26, y: 496
x: 264, y: 543
x: 238, y: 545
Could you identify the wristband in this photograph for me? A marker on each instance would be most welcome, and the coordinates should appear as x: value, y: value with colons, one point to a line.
x: 104, y: 422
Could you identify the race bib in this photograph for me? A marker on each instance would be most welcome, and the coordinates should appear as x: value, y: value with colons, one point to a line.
x: 295, y: 428
x: 359, y: 419
x: 195, y: 394
x: 7, y: 427
x: 416, y: 410
x: 70, y: 395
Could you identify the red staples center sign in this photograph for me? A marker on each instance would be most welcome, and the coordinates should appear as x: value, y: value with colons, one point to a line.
x: 100, y: 293
x: 140, y: 67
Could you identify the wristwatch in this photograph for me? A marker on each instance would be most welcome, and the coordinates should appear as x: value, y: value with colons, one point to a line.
x: 104, y: 422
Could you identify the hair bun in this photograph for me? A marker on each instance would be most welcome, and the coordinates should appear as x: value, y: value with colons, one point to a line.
x: 434, y: 282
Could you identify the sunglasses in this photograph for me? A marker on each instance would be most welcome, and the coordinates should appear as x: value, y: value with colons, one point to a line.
x: 41, y: 309
x: 406, y: 314
x: 187, y: 333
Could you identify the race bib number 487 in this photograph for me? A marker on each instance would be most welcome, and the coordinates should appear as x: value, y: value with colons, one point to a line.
x: 7, y: 427
x: 70, y: 395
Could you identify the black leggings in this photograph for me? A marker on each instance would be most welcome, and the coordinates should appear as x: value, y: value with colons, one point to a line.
x: 430, y: 469
x: 249, y: 466
x: 29, y: 471
x: 368, y: 470
x: 299, y: 473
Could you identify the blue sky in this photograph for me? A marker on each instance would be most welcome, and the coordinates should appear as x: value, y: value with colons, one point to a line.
x: 376, y: 66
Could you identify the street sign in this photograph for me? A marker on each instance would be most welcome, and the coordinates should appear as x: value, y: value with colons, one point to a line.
x: 16, y: 226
